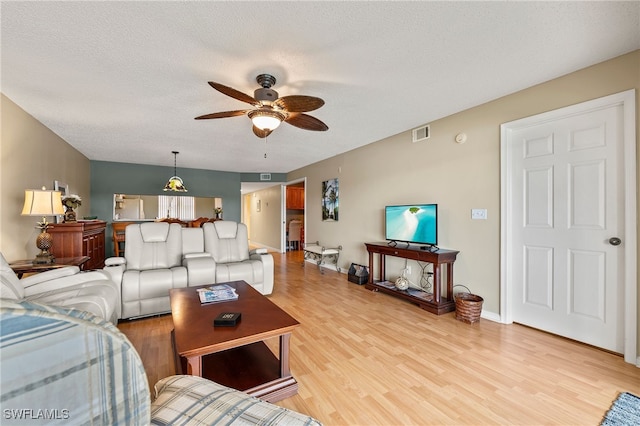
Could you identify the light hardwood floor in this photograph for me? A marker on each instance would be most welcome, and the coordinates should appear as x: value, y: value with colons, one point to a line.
x: 365, y: 358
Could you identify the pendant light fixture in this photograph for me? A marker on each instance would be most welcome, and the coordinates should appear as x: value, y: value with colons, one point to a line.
x: 175, y: 184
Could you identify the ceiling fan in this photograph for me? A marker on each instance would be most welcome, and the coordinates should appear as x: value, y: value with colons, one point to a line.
x: 270, y: 109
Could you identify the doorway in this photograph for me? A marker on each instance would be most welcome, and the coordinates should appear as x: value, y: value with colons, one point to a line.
x: 569, y: 223
x: 294, y: 202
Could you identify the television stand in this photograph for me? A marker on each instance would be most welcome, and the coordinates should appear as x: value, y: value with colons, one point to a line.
x: 435, y: 302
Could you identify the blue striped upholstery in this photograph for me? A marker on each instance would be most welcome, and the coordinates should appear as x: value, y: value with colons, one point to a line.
x: 65, y: 366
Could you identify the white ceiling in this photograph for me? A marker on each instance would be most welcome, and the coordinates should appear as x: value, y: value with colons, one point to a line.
x: 123, y: 81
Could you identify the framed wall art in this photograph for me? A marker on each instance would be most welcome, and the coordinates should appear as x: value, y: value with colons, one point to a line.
x: 330, y: 200
x: 64, y: 190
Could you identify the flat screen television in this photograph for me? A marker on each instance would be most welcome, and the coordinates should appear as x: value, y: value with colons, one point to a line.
x: 412, y: 224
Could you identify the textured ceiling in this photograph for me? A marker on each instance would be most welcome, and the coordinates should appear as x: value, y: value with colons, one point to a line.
x: 123, y: 81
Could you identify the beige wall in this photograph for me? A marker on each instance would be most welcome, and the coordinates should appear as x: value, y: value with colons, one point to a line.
x: 264, y: 225
x: 458, y: 177
x: 32, y: 156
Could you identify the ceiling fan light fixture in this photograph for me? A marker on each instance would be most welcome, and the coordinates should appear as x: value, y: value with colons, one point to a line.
x: 175, y: 183
x: 266, y: 119
x: 269, y: 109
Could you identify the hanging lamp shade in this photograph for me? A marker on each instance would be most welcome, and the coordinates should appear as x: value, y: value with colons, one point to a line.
x: 175, y: 183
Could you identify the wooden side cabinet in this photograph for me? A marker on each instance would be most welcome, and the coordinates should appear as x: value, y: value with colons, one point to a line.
x: 76, y: 239
x: 435, y: 302
x: 295, y: 197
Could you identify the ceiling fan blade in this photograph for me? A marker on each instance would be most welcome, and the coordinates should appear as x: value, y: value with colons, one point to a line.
x: 306, y: 122
x: 235, y: 94
x: 298, y: 103
x: 223, y: 114
x: 261, y: 133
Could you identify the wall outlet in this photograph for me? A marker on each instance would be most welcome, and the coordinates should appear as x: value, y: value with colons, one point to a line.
x: 478, y: 213
x: 408, y: 268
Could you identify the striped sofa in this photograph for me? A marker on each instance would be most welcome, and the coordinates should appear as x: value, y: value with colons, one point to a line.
x: 67, y: 366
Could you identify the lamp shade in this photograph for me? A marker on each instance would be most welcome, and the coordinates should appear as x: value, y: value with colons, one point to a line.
x: 175, y: 183
x: 42, y: 203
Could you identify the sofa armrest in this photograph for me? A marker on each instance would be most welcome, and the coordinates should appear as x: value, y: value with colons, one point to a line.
x: 62, y: 282
x: 115, y: 261
x: 258, y: 251
x: 201, y: 269
x: 196, y: 255
x: 115, y: 271
x: 49, y: 275
x: 267, y: 264
x: 195, y: 400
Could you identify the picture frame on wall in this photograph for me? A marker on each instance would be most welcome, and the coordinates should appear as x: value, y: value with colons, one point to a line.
x: 330, y: 200
x: 64, y: 190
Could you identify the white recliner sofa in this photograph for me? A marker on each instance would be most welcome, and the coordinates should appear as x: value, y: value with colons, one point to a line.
x: 160, y: 256
x: 90, y: 291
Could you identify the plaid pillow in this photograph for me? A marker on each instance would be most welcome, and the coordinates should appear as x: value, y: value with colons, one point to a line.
x: 194, y: 401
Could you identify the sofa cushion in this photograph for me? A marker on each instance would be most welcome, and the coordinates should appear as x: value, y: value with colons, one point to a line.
x: 227, y: 241
x: 153, y: 245
x: 192, y: 242
x: 147, y: 292
x: 251, y: 271
x: 191, y: 400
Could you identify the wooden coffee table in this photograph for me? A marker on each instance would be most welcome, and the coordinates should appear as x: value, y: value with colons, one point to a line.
x: 234, y: 356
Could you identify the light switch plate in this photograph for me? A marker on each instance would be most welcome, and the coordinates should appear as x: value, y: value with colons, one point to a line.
x: 478, y: 213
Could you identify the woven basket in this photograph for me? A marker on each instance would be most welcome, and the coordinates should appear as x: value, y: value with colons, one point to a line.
x: 468, y: 307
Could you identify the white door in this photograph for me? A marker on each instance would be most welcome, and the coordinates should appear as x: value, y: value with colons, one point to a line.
x: 566, y: 223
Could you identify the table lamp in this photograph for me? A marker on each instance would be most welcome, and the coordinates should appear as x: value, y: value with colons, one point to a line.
x: 43, y: 203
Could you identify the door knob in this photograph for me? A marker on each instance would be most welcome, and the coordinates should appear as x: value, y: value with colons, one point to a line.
x: 615, y: 241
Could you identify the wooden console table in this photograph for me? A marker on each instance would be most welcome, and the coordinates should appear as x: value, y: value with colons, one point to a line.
x: 435, y: 303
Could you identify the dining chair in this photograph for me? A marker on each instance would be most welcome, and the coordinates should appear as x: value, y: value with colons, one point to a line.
x: 293, y: 236
x: 119, y: 237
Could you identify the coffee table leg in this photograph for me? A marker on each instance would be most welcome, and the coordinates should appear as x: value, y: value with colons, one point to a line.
x: 194, y: 366
x: 284, y: 355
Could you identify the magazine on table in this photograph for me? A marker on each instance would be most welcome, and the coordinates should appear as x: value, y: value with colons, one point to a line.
x: 387, y: 284
x: 217, y: 293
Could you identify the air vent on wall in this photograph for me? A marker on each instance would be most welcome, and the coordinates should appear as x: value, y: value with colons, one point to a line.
x: 265, y: 176
x: 421, y: 134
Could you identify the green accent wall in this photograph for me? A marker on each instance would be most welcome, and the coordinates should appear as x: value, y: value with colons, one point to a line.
x: 108, y: 178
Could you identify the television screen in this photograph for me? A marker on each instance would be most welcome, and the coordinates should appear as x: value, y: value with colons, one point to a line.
x: 413, y: 223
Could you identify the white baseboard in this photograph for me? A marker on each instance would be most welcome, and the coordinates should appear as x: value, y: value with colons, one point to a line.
x: 491, y: 316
